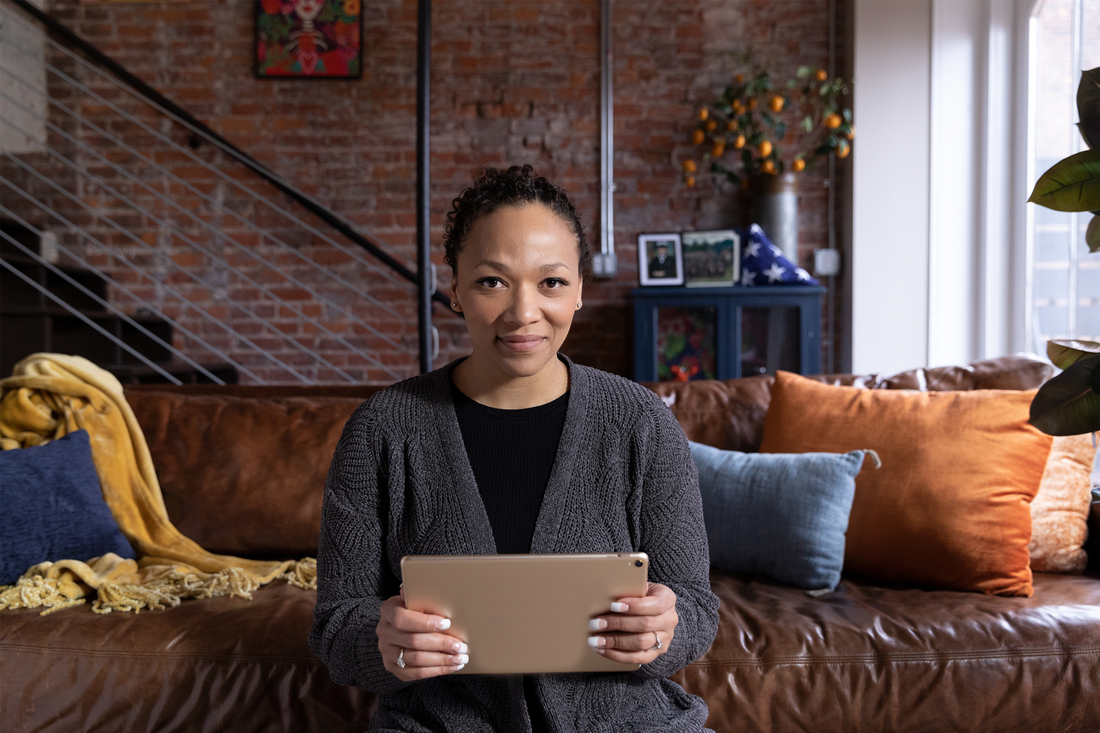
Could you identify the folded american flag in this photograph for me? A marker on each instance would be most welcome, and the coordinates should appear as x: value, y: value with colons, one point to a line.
x: 762, y: 263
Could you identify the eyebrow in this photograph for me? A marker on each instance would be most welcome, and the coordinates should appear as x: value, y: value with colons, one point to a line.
x: 502, y: 267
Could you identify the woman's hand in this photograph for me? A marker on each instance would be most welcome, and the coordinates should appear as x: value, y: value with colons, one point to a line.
x: 635, y: 626
x: 427, y: 653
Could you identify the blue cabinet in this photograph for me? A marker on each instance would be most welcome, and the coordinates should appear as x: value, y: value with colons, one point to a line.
x: 683, y: 334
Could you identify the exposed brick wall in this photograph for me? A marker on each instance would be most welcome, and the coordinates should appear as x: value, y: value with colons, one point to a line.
x: 512, y: 82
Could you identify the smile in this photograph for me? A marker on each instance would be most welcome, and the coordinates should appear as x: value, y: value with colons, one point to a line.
x: 521, y: 343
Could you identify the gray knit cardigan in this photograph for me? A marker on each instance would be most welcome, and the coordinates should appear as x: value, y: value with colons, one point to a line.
x: 400, y: 484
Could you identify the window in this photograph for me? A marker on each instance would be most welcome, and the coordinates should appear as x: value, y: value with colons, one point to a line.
x: 1063, y: 280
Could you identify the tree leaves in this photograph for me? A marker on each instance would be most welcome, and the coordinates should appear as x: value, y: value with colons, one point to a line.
x: 1088, y: 107
x: 1072, y: 184
x: 1064, y: 352
x: 1069, y: 404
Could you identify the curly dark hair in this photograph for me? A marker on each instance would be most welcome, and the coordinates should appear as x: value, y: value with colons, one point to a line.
x: 497, y: 189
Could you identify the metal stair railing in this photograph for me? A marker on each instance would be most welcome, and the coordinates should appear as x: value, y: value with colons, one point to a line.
x: 320, y: 287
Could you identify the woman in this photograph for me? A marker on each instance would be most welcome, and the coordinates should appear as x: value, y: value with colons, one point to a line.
x: 513, y: 449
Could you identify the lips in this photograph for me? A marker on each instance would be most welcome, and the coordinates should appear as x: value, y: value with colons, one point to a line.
x: 521, y: 343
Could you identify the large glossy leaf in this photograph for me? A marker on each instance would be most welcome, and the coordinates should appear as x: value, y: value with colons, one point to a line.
x: 1092, y: 234
x: 1067, y: 404
x: 1088, y: 107
x: 1072, y: 184
x: 1064, y: 352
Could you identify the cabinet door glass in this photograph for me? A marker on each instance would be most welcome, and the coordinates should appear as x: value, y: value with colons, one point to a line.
x: 687, y: 343
x: 769, y: 340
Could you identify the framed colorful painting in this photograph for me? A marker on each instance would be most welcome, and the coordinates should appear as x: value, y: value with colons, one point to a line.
x: 309, y: 39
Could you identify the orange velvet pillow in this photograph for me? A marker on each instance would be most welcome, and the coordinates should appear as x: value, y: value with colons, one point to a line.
x: 949, y: 507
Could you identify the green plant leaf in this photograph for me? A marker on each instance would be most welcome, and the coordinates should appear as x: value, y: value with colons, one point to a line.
x: 1067, y: 404
x: 803, y: 72
x: 1088, y: 107
x: 847, y: 116
x: 1072, y: 184
x: 1064, y: 352
x: 807, y: 123
x: 1092, y: 234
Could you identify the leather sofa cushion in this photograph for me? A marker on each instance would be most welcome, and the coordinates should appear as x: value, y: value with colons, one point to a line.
x: 243, y: 473
x: 864, y: 657
x: 949, y: 507
x: 874, y: 657
x: 216, y: 664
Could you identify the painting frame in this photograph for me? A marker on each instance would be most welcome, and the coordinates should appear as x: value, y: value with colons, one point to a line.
x: 648, y: 253
x: 262, y: 42
x: 712, y: 258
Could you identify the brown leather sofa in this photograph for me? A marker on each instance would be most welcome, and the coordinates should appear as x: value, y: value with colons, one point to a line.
x: 242, y: 470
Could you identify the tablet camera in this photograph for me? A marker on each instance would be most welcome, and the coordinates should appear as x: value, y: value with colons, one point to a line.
x: 637, y: 563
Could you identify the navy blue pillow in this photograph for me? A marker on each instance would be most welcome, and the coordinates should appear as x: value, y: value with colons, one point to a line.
x: 781, y: 515
x: 51, y: 507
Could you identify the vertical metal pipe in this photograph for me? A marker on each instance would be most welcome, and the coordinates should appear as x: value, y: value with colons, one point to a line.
x: 425, y: 282
x: 604, y: 264
x: 1074, y: 243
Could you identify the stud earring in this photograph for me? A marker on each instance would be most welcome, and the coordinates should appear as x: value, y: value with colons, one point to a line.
x: 578, y: 306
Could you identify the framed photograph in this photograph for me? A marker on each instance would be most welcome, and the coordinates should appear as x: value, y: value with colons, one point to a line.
x: 711, y: 259
x: 660, y: 259
x: 309, y: 39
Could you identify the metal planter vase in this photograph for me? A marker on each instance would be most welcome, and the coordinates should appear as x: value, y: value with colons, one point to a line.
x: 775, y: 209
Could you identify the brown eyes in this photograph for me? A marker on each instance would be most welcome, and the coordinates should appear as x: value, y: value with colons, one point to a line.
x: 551, y: 282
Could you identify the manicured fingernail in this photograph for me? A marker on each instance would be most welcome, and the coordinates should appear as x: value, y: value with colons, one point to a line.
x: 443, y: 623
x: 459, y: 667
x: 597, y: 624
x: 461, y: 659
x: 596, y: 641
x: 461, y: 647
x: 601, y: 652
x: 619, y: 607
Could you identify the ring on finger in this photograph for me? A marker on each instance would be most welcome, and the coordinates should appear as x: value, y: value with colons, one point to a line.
x: 657, y: 644
x: 401, y: 658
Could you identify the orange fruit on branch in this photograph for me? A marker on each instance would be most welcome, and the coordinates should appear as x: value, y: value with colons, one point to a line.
x: 775, y: 104
x: 731, y: 125
x: 821, y: 75
x: 704, y: 113
x: 739, y: 79
x: 698, y: 136
x: 832, y: 121
x: 712, y: 125
x: 851, y: 133
x: 739, y: 142
x: 764, y: 148
x: 690, y: 181
x: 752, y: 102
x: 798, y: 166
x: 768, y: 166
x: 718, y: 149
x: 688, y: 166
x: 843, y: 148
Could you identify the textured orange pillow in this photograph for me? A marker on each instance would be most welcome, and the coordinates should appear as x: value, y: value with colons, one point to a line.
x: 1060, y: 511
x: 949, y: 507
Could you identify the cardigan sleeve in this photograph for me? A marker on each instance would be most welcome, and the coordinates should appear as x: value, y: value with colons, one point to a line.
x: 352, y: 577
x: 674, y: 537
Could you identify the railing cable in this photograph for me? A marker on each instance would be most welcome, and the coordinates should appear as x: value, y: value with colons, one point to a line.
x: 88, y: 321
x: 129, y: 293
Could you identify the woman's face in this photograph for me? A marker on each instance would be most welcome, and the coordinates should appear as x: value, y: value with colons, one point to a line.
x: 518, y: 284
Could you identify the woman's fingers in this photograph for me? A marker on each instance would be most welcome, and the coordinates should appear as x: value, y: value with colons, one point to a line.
x: 632, y: 642
x: 424, y: 642
x: 631, y: 631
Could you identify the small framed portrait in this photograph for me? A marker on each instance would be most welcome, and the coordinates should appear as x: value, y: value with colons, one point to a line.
x: 711, y: 259
x: 660, y: 259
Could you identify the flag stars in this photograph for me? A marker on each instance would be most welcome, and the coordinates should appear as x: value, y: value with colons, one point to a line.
x: 775, y: 273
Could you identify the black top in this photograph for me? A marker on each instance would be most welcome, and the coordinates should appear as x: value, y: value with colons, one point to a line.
x: 511, y: 453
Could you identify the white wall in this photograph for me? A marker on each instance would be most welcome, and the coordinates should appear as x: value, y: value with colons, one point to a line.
x: 939, y: 184
x: 890, y: 185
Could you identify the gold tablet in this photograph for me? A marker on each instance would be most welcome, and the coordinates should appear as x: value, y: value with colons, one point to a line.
x: 525, y: 614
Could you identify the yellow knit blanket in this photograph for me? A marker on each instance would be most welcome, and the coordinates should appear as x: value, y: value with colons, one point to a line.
x: 51, y: 395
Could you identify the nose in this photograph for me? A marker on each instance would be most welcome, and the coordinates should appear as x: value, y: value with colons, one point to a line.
x: 523, y: 308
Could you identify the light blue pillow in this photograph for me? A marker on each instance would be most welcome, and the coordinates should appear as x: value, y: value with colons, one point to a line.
x: 778, y: 514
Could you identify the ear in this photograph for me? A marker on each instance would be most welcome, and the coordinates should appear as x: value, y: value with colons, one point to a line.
x: 580, y: 291
x: 454, y: 295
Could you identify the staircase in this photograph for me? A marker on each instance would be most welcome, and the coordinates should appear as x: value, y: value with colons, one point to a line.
x: 63, y: 309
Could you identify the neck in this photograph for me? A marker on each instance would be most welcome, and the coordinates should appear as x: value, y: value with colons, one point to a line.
x: 487, y: 385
